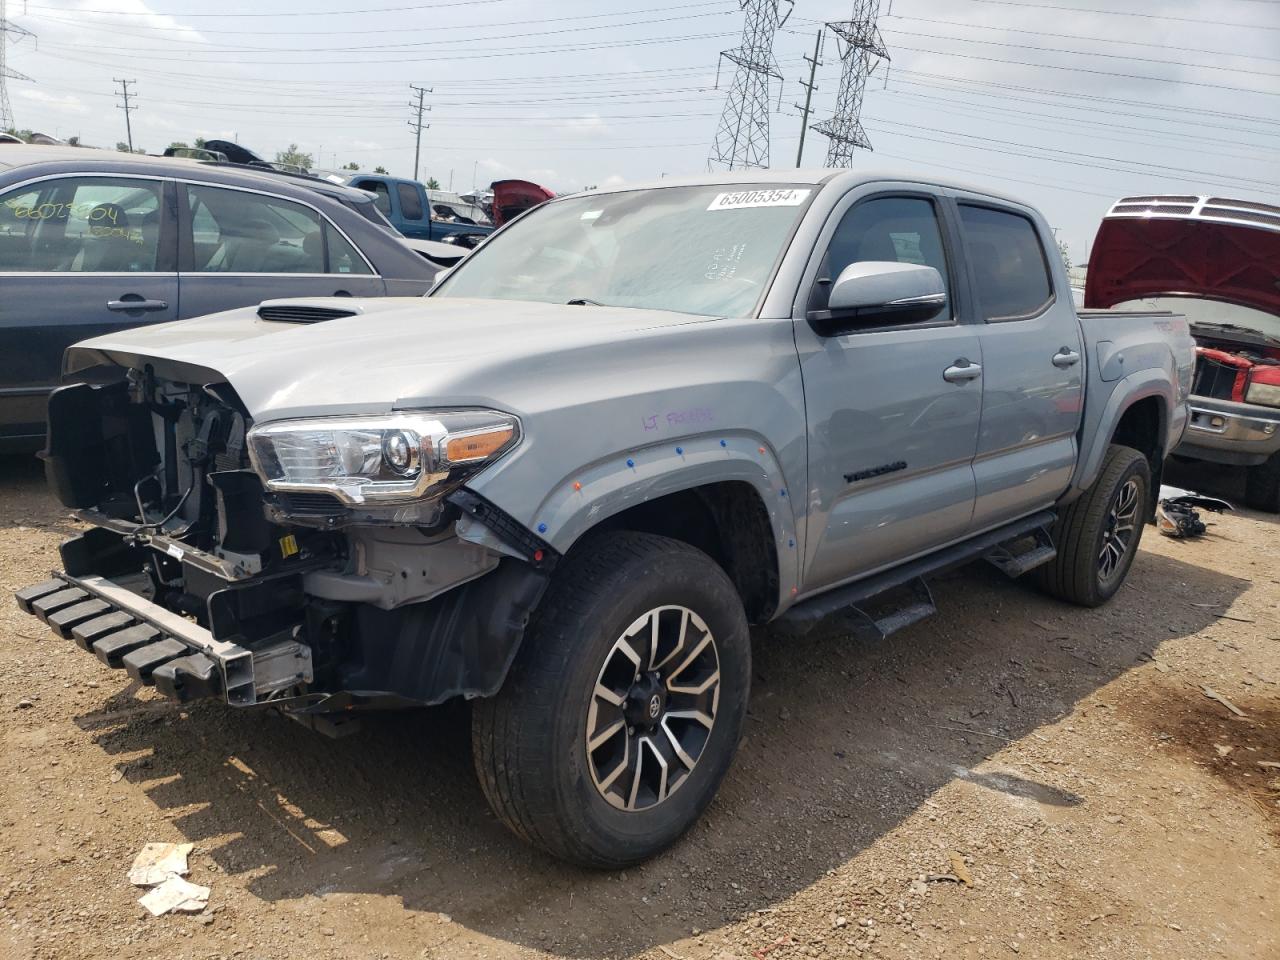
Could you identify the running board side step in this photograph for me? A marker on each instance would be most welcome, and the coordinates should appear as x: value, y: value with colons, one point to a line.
x: 1016, y: 556
x: 895, y: 599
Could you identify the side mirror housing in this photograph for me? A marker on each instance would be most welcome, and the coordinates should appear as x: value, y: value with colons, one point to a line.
x: 880, y: 293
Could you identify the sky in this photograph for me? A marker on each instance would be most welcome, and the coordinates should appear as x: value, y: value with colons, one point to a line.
x: 1067, y: 104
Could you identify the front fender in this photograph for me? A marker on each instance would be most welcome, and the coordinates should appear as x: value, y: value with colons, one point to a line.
x: 587, y: 497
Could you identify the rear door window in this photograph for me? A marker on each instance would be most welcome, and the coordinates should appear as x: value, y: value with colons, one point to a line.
x: 81, y: 225
x: 238, y: 232
x: 382, y: 196
x: 1010, y: 271
x: 410, y: 202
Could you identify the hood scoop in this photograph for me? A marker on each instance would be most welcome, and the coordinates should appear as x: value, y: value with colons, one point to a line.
x: 283, y: 311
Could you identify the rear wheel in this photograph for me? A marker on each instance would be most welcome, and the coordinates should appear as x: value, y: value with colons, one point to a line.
x: 1097, y: 535
x: 623, y: 709
x: 1262, y: 485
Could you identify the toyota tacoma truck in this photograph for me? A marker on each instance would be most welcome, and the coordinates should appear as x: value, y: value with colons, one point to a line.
x: 1218, y: 260
x: 630, y: 425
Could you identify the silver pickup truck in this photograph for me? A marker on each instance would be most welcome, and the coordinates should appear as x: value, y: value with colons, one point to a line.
x: 629, y: 425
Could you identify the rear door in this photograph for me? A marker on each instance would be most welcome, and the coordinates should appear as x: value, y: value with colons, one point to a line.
x: 240, y: 247
x: 1032, y: 359
x: 892, y: 411
x: 79, y: 256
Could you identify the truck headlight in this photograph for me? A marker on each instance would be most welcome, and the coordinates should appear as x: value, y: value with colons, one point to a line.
x: 1267, y: 394
x: 394, y: 458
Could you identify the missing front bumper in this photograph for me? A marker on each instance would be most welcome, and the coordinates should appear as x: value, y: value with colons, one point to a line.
x: 157, y: 647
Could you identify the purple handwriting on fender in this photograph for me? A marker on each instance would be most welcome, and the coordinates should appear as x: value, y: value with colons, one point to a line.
x: 677, y: 418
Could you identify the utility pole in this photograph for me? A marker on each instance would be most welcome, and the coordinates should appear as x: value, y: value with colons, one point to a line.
x: 128, y: 125
x: 814, y: 62
x: 8, y: 29
x: 417, y: 125
x: 742, y: 138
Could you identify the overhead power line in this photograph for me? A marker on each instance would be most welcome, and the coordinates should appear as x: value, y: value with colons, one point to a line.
x: 289, y: 31
x: 1126, y: 13
x: 1102, y: 73
x: 289, y: 13
x: 1079, y: 36
x: 1083, y: 53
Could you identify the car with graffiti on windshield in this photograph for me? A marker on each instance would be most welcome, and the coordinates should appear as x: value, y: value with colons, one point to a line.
x: 95, y: 241
x: 625, y: 428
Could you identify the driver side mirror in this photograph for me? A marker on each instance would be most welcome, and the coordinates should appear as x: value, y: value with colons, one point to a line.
x: 880, y: 293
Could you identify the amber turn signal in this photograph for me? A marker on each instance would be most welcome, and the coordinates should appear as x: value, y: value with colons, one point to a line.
x: 477, y: 446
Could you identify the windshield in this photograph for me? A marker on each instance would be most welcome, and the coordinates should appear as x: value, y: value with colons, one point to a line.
x: 707, y: 250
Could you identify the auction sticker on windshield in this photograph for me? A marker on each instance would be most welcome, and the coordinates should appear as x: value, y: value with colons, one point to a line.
x: 742, y: 199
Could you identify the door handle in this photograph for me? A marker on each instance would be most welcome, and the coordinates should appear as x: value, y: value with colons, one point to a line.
x: 962, y: 371
x: 1066, y: 357
x: 125, y: 303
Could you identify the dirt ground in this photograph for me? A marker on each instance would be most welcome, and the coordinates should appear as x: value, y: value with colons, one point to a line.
x: 1013, y: 777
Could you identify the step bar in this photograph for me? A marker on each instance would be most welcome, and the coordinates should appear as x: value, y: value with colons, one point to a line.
x: 903, y: 592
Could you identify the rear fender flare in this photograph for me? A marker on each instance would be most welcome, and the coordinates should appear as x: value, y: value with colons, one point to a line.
x: 1137, y: 386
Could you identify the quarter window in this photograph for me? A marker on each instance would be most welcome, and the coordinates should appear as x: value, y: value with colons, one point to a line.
x: 1009, y: 266
x: 895, y: 229
x: 410, y: 202
x: 343, y: 257
x: 81, y: 225
x: 382, y: 196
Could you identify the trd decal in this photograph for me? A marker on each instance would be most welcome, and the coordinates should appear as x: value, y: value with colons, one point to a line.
x: 876, y: 471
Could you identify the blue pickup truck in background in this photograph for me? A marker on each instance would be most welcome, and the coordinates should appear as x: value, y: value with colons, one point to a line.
x: 411, y: 210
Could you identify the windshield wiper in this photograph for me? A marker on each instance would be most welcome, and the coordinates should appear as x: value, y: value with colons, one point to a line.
x: 583, y: 302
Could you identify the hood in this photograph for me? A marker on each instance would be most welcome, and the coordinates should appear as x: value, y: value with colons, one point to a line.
x: 393, y: 351
x: 513, y: 197
x: 1207, y: 247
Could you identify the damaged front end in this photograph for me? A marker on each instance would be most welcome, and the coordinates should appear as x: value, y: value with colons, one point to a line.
x: 317, y: 566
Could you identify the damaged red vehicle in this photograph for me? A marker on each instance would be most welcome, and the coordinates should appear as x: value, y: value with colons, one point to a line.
x: 1221, y: 259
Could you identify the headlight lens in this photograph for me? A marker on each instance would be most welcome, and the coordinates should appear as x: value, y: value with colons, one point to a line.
x: 396, y: 458
x: 1267, y: 394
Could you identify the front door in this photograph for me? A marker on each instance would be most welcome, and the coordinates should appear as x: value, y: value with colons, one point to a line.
x: 241, y: 247
x: 1032, y: 364
x: 892, y: 411
x: 79, y: 256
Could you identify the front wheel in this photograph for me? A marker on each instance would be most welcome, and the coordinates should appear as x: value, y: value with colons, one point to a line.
x: 1097, y: 535
x: 623, y: 709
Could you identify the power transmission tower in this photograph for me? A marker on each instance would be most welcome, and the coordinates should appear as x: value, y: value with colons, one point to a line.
x: 127, y: 108
x: 742, y: 138
x: 8, y: 30
x: 417, y: 126
x: 814, y: 62
x: 862, y: 50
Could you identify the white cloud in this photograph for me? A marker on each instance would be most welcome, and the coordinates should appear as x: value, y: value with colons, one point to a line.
x: 53, y: 103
